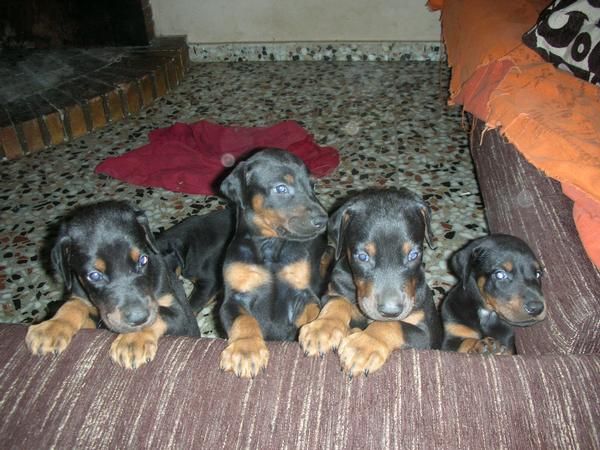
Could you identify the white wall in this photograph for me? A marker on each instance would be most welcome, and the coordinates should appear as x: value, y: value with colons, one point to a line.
x: 217, y: 21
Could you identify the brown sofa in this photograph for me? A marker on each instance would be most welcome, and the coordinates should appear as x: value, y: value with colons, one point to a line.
x: 546, y: 397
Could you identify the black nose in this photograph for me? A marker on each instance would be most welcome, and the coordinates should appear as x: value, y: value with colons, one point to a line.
x: 318, y: 221
x: 136, y: 316
x: 534, y: 308
x: 390, y: 309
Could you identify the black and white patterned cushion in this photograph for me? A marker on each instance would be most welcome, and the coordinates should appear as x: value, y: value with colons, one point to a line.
x: 567, y: 34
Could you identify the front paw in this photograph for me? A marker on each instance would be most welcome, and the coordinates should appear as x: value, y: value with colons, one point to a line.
x: 245, y: 357
x: 490, y: 346
x: 361, y: 353
x: 322, y: 335
x: 51, y: 336
x: 132, y: 350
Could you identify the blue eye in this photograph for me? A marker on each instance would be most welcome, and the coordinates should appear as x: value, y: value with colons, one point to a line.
x: 142, y: 260
x: 362, y: 256
x: 500, y: 275
x: 281, y: 189
x: 95, y: 276
x: 413, y: 254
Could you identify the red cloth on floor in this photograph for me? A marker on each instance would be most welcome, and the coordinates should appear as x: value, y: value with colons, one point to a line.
x: 192, y: 158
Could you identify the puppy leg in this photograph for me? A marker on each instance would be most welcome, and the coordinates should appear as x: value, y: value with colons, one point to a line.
x: 328, y: 329
x: 247, y: 354
x: 464, y: 339
x: 54, y: 335
x: 308, y: 314
x: 366, y: 351
x: 132, y: 350
x: 485, y: 346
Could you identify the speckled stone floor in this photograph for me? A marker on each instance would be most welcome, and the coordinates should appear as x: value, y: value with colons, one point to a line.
x: 389, y: 121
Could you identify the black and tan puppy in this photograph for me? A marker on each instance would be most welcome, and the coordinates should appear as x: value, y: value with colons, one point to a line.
x: 499, y: 288
x: 113, y: 276
x: 195, y: 248
x: 272, y: 271
x: 378, y: 284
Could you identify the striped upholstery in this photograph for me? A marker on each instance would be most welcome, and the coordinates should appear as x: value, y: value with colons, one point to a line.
x: 421, y: 399
x: 520, y: 200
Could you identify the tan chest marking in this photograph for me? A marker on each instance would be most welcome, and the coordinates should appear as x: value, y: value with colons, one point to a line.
x: 244, y: 277
x: 296, y: 274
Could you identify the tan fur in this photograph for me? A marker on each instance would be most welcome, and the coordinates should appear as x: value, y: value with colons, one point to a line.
x: 461, y: 331
x: 247, y: 352
x: 54, y: 335
x: 100, y: 265
x: 310, y: 313
x: 166, y: 300
x: 366, y: 351
x: 364, y: 288
x: 508, y: 266
x: 266, y: 220
x: 410, y: 288
x: 371, y: 248
x: 245, y: 277
x: 296, y: 274
x: 132, y: 350
x: 325, y: 262
x: 329, y: 328
x: 415, y: 317
x: 134, y: 254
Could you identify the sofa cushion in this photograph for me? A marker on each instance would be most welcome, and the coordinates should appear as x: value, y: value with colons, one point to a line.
x: 520, y: 200
x: 567, y: 35
x: 420, y: 399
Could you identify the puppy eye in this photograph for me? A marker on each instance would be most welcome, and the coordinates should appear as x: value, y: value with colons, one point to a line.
x: 538, y: 274
x: 500, y: 275
x: 281, y: 189
x: 95, y: 276
x: 142, y: 260
x: 362, y: 256
x: 413, y: 254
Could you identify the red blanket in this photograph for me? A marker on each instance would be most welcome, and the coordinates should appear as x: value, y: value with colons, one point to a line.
x: 192, y: 158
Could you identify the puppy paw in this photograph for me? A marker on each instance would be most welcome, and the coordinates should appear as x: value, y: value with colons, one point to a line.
x: 51, y: 336
x: 245, y: 357
x: 361, y: 353
x: 132, y: 350
x: 490, y: 346
x: 322, y: 335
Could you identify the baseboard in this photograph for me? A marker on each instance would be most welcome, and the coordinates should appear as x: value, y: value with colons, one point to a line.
x: 318, y: 51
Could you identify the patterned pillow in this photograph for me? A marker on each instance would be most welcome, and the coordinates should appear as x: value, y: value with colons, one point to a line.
x: 567, y: 34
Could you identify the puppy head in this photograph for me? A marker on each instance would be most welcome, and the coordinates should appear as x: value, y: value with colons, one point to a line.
x: 506, y: 274
x: 380, y: 233
x: 106, y: 253
x: 275, y: 197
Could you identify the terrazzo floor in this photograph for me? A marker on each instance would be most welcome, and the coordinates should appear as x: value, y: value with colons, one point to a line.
x: 389, y: 120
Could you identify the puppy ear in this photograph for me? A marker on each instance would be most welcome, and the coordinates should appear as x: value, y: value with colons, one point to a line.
x: 141, y: 219
x: 336, y: 228
x: 463, y: 260
x: 60, y: 257
x: 426, y: 213
x: 232, y: 185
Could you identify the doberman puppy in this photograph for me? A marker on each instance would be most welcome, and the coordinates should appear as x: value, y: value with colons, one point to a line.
x: 114, y: 276
x: 195, y: 248
x: 273, y: 270
x: 377, y: 285
x: 499, y: 288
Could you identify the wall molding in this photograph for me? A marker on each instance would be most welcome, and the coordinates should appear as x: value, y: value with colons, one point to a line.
x: 318, y: 51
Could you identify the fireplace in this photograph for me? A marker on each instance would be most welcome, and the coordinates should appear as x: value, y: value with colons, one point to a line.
x: 75, y: 23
